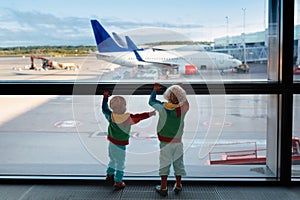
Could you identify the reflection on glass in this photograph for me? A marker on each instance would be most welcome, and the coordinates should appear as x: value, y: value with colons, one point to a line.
x: 224, y: 136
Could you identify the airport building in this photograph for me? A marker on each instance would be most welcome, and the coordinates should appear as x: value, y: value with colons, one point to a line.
x: 254, y: 39
x: 256, y: 46
x: 251, y: 39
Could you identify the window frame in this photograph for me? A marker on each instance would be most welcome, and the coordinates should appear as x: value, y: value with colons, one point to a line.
x: 284, y: 87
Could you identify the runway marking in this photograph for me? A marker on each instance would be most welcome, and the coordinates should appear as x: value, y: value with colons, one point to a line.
x: 142, y: 136
x: 67, y: 124
x: 225, y: 124
x: 98, y: 134
x: 135, y: 135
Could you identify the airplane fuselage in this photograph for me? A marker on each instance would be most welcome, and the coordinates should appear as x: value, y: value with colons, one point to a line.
x: 202, y: 60
x: 179, y: 62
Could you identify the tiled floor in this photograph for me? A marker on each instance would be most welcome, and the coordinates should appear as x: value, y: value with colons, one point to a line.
x: 145, y: 190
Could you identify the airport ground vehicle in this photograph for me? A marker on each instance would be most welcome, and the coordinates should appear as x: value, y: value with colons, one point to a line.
x: 49, y: 64
x: 243, y: 68
x: 246, y: 153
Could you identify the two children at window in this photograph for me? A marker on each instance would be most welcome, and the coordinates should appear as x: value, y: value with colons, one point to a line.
x: 169, y: 131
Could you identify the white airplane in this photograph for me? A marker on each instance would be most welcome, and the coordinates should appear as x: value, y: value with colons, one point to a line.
x: 182, y: 62
x: 187, y: 47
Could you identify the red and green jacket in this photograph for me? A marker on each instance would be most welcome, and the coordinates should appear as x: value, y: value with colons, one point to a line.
x: 171, y: 119
x: 120, y: 124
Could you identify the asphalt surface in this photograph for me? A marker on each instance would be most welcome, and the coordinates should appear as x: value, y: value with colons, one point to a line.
x: 66, y: 135
x: 93, y: 70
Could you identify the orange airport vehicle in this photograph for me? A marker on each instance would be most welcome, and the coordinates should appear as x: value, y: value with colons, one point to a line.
x: 49, y: 64
x: 246, y: 153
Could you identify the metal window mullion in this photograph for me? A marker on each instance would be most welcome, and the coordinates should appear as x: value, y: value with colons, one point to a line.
x: 286, y: 30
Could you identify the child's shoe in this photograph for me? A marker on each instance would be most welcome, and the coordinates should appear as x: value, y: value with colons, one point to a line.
x: 109, y: 179
x: 119, y: 185
x: 176, y: 189
x: 162, y: 192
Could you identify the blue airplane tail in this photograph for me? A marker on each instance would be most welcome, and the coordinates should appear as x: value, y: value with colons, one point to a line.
x: 119, y: 40
x: 104, y: 41
x: 131, y: 45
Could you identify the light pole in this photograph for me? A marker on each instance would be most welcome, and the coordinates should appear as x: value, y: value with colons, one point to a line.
x: 244, y: 35
x: 227, y: 39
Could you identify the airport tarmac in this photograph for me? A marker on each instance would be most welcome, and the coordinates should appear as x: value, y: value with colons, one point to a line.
x: 93, y: 70
x: 66, y: 135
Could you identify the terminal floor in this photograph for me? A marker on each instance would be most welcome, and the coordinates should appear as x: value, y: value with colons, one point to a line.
x: 145, y: 190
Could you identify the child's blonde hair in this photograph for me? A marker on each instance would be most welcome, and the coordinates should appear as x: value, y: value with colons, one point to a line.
x: 175, y: 94
x: 118, y: 104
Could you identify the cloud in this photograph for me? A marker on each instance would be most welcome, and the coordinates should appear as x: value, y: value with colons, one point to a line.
x: 138, y: 24
x: 20, y: 28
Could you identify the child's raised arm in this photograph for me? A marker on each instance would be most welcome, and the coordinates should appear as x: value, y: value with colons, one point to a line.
x: 105, y: 109
x: 156, y: 104
x: 156, y: 87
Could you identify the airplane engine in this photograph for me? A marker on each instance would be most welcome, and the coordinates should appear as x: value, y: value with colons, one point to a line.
x: 188, y: 69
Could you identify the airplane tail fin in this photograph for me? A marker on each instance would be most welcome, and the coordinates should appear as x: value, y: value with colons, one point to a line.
x: 119, y: 40
x: 130, y: 43
x: 105, y: 42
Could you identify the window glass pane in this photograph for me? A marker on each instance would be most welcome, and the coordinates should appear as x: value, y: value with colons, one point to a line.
x: 224, y: 136
x: 295, y: 139
x: 193, y: 41
x: 296, y: 69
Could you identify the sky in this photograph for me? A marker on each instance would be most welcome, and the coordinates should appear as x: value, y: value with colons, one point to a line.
x: 66, y: 22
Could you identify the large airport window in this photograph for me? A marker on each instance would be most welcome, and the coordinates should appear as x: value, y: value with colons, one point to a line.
x: 296, y: 61
x: 295, y: 139
x: 295, y: 154
x: 234, y: 60
x: 194, y: 44
x: 224, y: 136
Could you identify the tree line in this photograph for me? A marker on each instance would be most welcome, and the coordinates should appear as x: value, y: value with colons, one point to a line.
x: 70, y: 50
x: 47, y: 50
